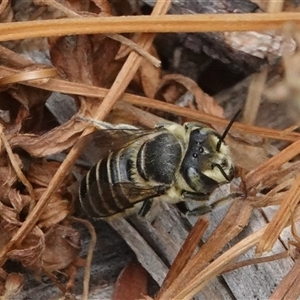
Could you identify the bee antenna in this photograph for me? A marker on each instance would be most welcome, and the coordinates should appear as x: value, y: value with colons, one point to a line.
x: 221, y: 170
x: 221, y: 139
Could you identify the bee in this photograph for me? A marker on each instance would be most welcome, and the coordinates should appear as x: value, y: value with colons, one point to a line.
x: 171, y: 162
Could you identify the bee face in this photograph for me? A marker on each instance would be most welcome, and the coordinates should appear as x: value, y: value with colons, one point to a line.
x: 205, y: 165
x: 219, y: 165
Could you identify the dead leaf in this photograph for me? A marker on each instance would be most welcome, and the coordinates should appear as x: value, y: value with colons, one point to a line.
x: 9, y: 214
x: 62, y: 246
x: 42, y: 171
x: 149, y: 76
x: 56, y: 210
x: 247, y: 156
x: 30, y: 251
x: 71, y: 56
x: 18, y: 200
x: 3, y: 276
x: 204, y: 102
x: 86, y: 59
x: 131, y: 283
x: 6, y: 13
x: 53, y: 141
x: 105, y: 68
x: 13, y: 285
x: 40, y: 174
x: 6, y: 233
x: 7, y: 178
x: 104, y: 6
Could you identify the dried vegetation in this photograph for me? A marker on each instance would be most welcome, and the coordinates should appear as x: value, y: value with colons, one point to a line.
x: 109, y: 76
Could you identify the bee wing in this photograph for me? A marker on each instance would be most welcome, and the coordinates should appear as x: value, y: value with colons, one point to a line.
x: 101, y: 142
x: 135, y: 192
x: 108, y: 199
x: 128, y: 194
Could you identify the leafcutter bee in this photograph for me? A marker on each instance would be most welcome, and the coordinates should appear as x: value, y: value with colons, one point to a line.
x: 170, y: 162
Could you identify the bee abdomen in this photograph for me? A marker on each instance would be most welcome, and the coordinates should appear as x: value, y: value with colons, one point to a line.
x: 99, y: 195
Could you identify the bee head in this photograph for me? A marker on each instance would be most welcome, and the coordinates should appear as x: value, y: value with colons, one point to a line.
x: 207, y: 162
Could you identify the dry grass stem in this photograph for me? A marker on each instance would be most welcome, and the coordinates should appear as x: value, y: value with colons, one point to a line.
x: 133, y: 46
x: 16, y: 59
x: 240, y: 212
x: 185, y: 253
x: 265, y: 169
x: 87, y: 271
x: 219, y: 264
x: 283, y: 215
x: 126, y: 24
x: 269, y: 196
x: 256, y: 88
x: 54, y: 280
x: 16, y: 165
x: 275, y: 6
x: 68, y: 12
x: 28, y: 76
x: 291, y: 128
x: 255, y: 261
x: 289, y: 287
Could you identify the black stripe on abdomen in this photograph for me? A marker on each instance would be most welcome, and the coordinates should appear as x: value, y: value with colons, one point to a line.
x: 120, y: 178
x: 95, y: 192
x: 106, y: 188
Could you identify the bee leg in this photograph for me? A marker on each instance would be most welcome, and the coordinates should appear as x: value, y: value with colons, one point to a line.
x: 201, y: 209
x: 198, y: 211
x: 182, y: 207
x: 204, y: 209
x: 144, y: 210
x: 105, y: 125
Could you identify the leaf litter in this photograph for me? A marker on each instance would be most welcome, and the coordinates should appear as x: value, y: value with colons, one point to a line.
x: 38, y: 194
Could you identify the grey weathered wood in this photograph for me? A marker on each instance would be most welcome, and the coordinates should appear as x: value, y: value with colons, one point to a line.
x: 145, y: 254
x: 256, y: 281
x: 166, y: 233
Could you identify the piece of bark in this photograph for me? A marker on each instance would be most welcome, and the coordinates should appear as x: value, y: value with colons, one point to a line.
x: 208, y: 58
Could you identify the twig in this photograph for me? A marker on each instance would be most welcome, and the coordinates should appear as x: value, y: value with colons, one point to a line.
x: 254, y: 96
x: 17, y: 168
x: 282, y: 217
x: 87, y: 271
x: 126, y: 24
x: 289, y: 287
x: 265, y: 169
x: 254, y: 261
